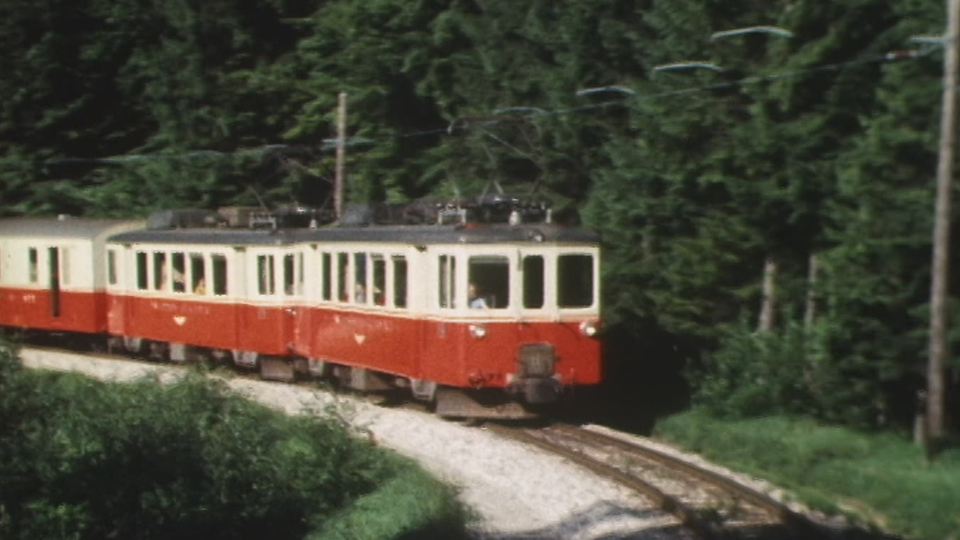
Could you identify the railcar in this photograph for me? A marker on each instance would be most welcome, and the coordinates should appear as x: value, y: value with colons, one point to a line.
x: 52, y: 275
x: 481, y: 319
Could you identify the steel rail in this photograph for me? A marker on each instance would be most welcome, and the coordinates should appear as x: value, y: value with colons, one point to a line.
x: 792, y: 519
x: 687, y: 516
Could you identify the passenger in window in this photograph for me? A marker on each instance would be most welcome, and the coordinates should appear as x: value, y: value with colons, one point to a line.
x: 201, y: 287
x: 359, y: 293
x: 475, y: 301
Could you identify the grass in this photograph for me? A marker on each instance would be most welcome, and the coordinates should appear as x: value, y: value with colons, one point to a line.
x: 879, y: 478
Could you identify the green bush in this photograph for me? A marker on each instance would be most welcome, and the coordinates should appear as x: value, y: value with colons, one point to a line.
x: 89, y: 460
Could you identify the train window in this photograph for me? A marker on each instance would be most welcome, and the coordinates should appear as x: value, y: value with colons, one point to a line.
x: 447, y: 281
x: 360, y: 278
x: 533, y: 281
x: 379, y: 279
x: 34, y: 265
x: 65, y: 265
x: 265, y: 275
x: 575, y: 281
x: 159, y: 270
x: 399, y: 281
x: 489, y: 279
x: 325, y: 265
x: 112, y: 267
x: 198, y: 281
x: 343, y: 260
x: 141, y: 270
x: 300, y: 274
x: 288, y: 274
x: 179, y: 271
x: 219, y: 274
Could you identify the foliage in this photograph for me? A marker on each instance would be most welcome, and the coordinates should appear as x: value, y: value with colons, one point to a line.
x: 84, y: 459
x: 880, y: 479
x: 821, y: 144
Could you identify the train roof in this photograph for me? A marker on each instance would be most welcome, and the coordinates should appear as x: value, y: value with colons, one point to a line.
x: 62, y: 227
x: 402, y: 234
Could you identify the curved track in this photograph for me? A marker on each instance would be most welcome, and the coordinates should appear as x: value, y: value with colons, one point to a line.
x: 711, y: 505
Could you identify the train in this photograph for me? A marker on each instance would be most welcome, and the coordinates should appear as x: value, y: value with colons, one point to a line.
x: 483, y: 310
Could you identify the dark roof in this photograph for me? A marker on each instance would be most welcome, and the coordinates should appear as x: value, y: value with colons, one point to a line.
x: 36, y: 227
x: 407, y: 234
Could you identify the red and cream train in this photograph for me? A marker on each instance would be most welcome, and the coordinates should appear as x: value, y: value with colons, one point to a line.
x: 483, y: 319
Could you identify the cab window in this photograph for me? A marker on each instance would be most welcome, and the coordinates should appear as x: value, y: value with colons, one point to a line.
x: 575, y: 281
x: 488, y: 278
x: 533, y: 281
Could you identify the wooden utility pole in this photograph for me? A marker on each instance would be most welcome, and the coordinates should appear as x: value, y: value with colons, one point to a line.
x: 939, y: 289
x: 341, y: 153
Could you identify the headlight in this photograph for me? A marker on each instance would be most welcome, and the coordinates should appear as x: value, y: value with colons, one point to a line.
x: 588, y: 328
x: 478, y: 330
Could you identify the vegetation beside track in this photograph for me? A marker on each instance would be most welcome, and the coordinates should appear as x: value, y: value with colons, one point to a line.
x: 86, y: 459
x: 878, y: 478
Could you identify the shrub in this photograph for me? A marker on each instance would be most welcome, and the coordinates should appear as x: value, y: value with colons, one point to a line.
x: 88, y: 460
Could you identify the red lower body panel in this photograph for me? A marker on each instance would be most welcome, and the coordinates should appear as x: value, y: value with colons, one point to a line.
x: 217, y: 325
x: 66, y: 311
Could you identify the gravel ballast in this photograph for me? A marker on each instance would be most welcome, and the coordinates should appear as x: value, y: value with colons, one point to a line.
x: 515, y: 492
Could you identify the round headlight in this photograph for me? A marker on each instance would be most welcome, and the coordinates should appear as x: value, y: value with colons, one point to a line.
x: 588, y: 328
x: 478, y: 330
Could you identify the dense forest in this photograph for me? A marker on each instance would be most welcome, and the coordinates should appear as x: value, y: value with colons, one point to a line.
x: 802, y: 165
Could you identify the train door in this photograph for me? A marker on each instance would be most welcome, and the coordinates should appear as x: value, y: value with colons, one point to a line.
x: 53, y: 260
x: 293, y: 277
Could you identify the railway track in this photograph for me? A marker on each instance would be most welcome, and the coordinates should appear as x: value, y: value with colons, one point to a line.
x: 711, y: 505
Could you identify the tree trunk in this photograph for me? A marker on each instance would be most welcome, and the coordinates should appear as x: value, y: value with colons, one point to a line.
x: 769, y: 301
x: 810, y: 312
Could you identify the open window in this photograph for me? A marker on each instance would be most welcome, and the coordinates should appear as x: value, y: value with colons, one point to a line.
x: 198, y: 278
x: 379, y: 276
x: 142, y: 271
x: 112, y: 267
x: 160, y: 270
x: 360, y: 295
x: 399, y: 281
x: 220, y: 274
x: 179, y: 272
x: 326, y: 276
x: 266, y: 278
x: 488, y: 278
x: 343, y: 261
x: 447, y: 281
x: 34, y: 265
x: 289, y: 275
